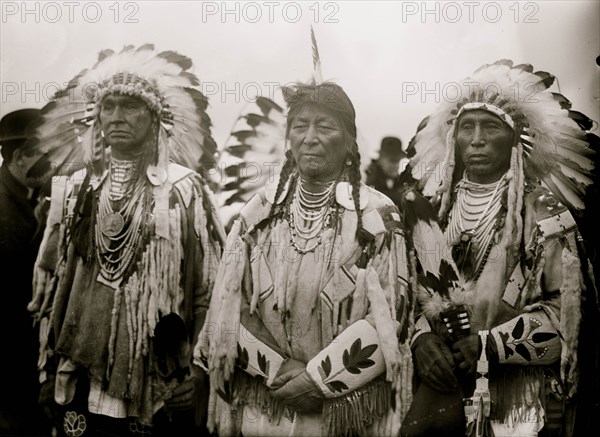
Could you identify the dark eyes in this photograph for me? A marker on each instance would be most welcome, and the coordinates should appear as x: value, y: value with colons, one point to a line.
x: 489, y: 127
x: 130, y: 106
x: 322, y: 127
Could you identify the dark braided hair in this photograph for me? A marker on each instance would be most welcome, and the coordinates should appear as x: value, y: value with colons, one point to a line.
x: 332, y: 97
x: 354, y: 178
x: 289, y: 166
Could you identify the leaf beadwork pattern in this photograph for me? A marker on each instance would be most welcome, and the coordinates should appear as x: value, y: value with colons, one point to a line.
x: 263, y: 363
x: 325, y: 367
x: 518, y: 329
x: 523, y: 351
x: 336, y: 386
x: 523, y: 341
x: 242, y: 357
x: 353, y: 360
x: 358, y: 358
x: 540, y: 337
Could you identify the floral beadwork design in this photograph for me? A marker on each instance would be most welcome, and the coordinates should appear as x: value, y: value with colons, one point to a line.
x: 263, y: 363
x: 354, y: 359
x: 74, y: 424
x: 243, y: 361
x: 524, y: 340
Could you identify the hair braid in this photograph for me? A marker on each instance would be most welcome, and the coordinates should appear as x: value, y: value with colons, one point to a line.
x: 288, y: 167
x: 355, y: 178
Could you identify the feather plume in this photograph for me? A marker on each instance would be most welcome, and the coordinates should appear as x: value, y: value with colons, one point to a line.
x: 317, y: 74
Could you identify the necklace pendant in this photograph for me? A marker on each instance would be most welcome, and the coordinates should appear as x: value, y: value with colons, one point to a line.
x: 112, y: 224
x: 465, y: 237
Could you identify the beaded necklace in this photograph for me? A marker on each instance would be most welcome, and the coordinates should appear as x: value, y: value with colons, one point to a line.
x: 473, y: 218
x: 308, y: 218
x: 120, y: 221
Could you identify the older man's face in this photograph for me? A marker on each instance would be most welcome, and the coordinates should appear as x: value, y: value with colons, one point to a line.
x: 126, y: 122
x: 318, y: 142
x: 484, y: 143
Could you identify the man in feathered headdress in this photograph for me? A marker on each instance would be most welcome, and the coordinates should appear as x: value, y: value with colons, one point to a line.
x: 503, y: 166
x: 131, y: 245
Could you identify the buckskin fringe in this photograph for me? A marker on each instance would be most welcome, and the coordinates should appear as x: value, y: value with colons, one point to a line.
x: 354, y: 412
x: 151, y: 291
x: 516, y: 386
x: 225, y: 415
x: 252, y: 391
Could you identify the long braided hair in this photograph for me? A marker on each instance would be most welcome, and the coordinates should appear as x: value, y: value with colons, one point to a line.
x: 332, y: 97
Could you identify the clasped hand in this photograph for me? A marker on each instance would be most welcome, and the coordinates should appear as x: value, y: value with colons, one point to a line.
x: 183, y: 396
x: 434, y: 362
x: 466, y: 353
x: 294, y: 387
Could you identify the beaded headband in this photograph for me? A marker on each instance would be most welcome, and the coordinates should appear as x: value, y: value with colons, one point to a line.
x: 487, y: 107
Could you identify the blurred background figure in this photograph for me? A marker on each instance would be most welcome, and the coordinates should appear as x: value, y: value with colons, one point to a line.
x: 19, y: 411
x: 383, y: 173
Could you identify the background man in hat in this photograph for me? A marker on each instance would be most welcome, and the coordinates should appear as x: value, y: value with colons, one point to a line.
x: 383, y: 172
x: 19, y: 412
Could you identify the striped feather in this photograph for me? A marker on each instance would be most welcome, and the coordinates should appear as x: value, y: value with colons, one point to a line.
x: 252, y: 155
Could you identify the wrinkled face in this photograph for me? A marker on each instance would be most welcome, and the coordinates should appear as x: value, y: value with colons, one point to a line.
x: 389, y: 166
x: 126, y: 122
x: 318, y: 143
x: 484, y: 143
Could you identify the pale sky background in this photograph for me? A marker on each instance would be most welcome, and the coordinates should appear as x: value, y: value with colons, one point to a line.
x: 377, y: 51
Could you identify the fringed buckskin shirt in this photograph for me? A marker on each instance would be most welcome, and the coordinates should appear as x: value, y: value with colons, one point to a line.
x: 106, y: 329
x: 337, y: 305
x: 530, y: 301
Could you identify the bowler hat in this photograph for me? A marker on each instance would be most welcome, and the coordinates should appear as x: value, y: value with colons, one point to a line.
x: 13, y: 129
x: 392, y: 147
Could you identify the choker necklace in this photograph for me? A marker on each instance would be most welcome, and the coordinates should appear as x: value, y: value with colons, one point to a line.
x: 310, y: 213
x: 120, y: 176
x: 471, y: 198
